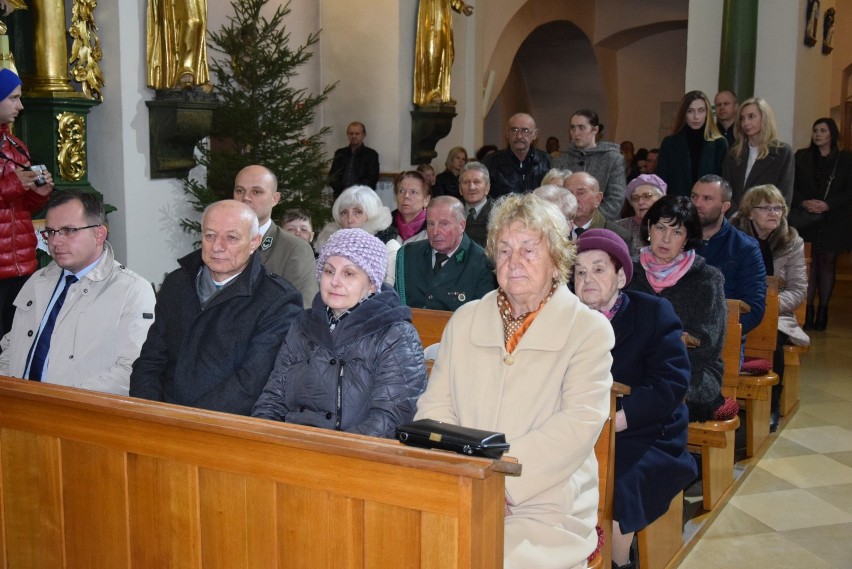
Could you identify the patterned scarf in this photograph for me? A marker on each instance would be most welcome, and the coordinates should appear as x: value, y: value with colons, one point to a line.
x: 663, y: 275
x: 514, y: 328
x: 412, y: 228
x: 614, y: 310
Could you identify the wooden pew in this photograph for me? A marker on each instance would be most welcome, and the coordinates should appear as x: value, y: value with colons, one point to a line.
x: 605, y: 454
x: 430, y: 324
x: 756, y: 390
x: 430, y: 327
x: 90, y: 480
x: 714, y: 440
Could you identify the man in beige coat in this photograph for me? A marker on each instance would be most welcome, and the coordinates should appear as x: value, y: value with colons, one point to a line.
x: 93, y: 338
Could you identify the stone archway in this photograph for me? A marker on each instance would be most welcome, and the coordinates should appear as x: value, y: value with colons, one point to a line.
x: 554, y: 72
x: 551, y: 57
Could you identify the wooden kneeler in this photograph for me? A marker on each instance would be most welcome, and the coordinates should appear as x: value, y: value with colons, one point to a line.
x: 714, y: 440
x: 792, y: 365
x: 605, y: 453
x: 756, y: 390
x: 660, y: 541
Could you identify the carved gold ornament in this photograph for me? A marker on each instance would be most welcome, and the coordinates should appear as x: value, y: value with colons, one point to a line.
x: 86, y: 49
x: 72, y: 146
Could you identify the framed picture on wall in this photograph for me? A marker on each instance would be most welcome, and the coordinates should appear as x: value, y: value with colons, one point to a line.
x: 811, y: 23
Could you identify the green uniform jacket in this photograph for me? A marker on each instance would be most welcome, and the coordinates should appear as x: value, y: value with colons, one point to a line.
x: 467, y: 275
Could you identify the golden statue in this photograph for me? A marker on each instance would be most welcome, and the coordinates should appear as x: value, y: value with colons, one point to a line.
x: 177, y: 43
x: 433, y: 54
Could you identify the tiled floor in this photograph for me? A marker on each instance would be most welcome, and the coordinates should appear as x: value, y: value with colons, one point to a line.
x: 794, y: 508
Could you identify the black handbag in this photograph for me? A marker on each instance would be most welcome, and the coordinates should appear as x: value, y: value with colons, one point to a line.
x: 799, y: 217
x: 428, y: 433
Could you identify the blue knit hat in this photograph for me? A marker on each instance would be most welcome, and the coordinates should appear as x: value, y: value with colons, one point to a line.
x: 8, y: 81
x: 366, y: 251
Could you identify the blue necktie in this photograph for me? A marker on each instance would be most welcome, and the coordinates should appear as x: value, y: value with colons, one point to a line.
x: 42, y: 348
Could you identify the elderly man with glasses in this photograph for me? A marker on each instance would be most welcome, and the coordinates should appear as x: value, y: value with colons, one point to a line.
x: 80, y: 321
x: 519, y: 168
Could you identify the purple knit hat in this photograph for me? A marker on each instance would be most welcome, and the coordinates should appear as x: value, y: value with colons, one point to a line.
x: 367, y: 252
x: 608, y: 242
x: 644, y: 180
x: 8, y: 81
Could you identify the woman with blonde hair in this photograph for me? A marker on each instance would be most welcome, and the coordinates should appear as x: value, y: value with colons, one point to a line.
x: 532, y: 361
x: 763, y: 215
x: 758, y: 157
x: 694, y: 148
x: 447, y: 182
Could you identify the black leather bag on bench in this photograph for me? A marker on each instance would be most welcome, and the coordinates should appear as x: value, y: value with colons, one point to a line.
x: 428, y: 433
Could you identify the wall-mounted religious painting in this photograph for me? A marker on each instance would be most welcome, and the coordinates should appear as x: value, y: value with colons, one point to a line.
x: 812, y: 23
x: 828, y: 31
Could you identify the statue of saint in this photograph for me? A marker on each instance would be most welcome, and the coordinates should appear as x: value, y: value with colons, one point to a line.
x: 433, y: 54
x: 177, y: 43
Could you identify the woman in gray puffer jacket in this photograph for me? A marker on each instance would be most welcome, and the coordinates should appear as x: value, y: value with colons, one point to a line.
x: 353, y: 362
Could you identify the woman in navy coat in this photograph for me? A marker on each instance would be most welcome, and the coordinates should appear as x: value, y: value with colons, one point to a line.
x: 651, y: 461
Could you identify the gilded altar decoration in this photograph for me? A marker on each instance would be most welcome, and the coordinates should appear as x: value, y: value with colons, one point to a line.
x: 7, y: 59
x: 177, y: 43
x: 433, y: 53
x: 86, y: 49
x: 72, y: 146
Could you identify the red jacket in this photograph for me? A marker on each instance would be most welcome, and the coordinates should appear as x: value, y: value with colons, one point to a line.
x: 17, y: 204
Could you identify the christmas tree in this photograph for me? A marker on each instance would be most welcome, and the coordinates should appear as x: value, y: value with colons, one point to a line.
x: 262, y: 119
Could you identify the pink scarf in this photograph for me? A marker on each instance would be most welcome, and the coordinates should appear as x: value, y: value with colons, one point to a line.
x: 409, y: 230
x: 663, y: 275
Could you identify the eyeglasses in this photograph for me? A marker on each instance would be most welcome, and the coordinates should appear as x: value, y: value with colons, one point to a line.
x: 523, y: 131
x: 770, y: 208
x: 64, y: 231
x: 636, y: 198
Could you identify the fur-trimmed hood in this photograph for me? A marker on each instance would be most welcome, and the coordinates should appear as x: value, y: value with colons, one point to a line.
x: 781, y: 241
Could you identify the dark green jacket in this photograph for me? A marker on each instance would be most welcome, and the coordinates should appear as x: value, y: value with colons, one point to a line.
x: 466, y: 276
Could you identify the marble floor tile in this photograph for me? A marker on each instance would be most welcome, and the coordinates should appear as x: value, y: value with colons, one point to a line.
x: 830, y: 543
x: 761, y: 480
x: 821, y: 439
x: 833, y: 413
x: 808, y: 471
x: 763, y: 551
x: 842, y: 457
x: 803, y: 419
x: 838, y: 496
x: 790, y: 509
x: 783, y: 447
x: 732, y: 522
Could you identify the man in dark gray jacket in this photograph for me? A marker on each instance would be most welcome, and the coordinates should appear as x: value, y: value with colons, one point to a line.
x: 220, y: 320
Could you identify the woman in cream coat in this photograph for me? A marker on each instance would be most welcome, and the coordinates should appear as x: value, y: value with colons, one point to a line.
x: 531, y: 361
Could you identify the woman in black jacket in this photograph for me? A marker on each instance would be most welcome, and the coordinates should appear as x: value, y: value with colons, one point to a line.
x: 694, y: 148
x: 353, y: 362
x: 815, y: 166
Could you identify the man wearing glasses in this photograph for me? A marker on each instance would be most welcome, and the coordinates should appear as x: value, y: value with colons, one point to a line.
x: 520, y: 167
x: 81, y: 320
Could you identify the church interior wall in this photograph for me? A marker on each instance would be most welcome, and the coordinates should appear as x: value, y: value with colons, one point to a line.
x: 649, y: 79
x: 371, y: 52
